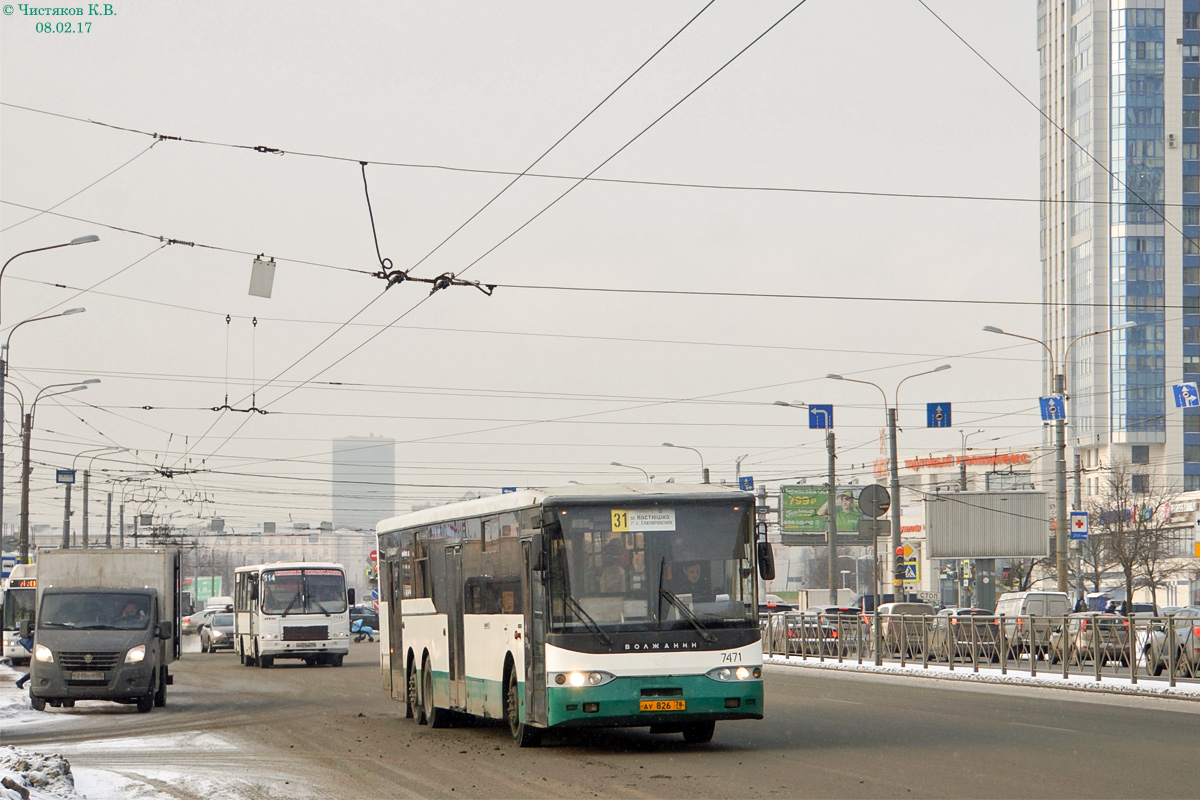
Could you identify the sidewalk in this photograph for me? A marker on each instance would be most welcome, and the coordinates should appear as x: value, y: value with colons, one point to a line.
x: 1046, y: 677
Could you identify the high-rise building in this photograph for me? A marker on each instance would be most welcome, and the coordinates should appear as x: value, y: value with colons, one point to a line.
x: 1120, y: 223
x: 364, y: 481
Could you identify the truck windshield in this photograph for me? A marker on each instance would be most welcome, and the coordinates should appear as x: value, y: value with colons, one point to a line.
x: 18, y: 607
x: 651, y: 568
x: 303, y: 591
x: 95, y: 611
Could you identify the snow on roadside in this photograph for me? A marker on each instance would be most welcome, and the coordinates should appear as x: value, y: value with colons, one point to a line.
x: 25, y: 775
x: 1046, y: 677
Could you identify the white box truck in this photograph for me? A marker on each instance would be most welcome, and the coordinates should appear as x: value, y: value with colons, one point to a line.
x: 107, y: 627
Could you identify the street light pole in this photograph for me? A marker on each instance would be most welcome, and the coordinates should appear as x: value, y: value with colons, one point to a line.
x: 703, y: 469
x: 77, y: 240
x: 893, y: 465
x: 4, y: 358
x: 86, y: 474
x: 1060, y: 445
x: 630, y: 466
x: 23, y: 554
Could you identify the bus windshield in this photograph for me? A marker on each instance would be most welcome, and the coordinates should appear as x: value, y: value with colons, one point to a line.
x: 18, y: 607
x: 651, y: 568
x: 303, y: 591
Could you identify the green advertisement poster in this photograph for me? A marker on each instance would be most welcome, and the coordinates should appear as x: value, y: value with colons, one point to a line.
x: 804, y: 509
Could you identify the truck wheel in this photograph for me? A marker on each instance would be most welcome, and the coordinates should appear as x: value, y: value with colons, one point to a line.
x: 145, y: 704
x: 37, y: 703
x: 160, y: 696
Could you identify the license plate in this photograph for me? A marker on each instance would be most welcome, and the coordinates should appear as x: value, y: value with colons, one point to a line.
x: 87, y: 676
x: 663, y: 705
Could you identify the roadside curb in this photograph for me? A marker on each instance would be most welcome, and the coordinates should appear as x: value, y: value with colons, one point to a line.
x: 1075, y: 683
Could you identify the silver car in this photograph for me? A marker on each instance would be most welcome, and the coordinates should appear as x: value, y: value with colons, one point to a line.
x: 1185, y: 621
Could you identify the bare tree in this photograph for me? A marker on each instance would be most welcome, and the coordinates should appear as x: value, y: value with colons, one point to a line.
x: 1132, y: 524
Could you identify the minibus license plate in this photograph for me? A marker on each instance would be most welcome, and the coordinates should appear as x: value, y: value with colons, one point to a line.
x: 87, y: 676
x: 663, y: 705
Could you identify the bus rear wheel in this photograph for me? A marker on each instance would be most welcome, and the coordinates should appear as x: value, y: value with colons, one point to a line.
x: 523, y: 735
x: 699, y: 732
x: 415, y: 709
x: 436, y: 717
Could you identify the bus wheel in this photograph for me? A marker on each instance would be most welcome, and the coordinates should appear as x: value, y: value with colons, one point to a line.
x: 698, y: 732
x: 266, y: 661
x: 336, y: 660
x: 523, y: 735
x: 436, y: 717
x: 415, y: 709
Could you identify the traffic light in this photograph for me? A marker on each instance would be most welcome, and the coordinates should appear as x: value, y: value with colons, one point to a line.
x: 899, y: 570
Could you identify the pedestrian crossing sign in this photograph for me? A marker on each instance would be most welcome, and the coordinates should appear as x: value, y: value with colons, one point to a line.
x: 912, y: 572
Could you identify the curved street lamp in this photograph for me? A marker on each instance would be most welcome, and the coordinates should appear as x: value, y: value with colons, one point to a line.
x: 1060, y: 443
x: 893, y: 467
x: 99, y: 451
x: 78, y: 386
x: 91, y: 237
x: 630, y: 466
x: 703, y: 469
x: 4, y: 376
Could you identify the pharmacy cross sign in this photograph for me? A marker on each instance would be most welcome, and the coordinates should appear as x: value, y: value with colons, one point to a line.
x: 1079, y: 526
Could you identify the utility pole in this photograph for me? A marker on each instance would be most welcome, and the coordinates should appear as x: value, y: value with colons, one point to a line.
x: 66, y: 540
x: 108, y: 522
x: 831, y: 522
x: 1079, y: 506
x: 85, y: 509
x: 24, y: 538
x: 1060, y: 491
x: 894, y: 487
x: 122, y: 522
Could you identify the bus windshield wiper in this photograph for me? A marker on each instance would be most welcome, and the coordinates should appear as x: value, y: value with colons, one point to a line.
x: 587, y: 619
x: 289, y: 605
x: 687, y: 614
x: 317, y: 603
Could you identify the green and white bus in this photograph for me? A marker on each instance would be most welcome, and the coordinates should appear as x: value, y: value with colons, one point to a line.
x: 583, y: 606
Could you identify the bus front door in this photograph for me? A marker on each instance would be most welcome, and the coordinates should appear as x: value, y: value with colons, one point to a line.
x: 534, y: 592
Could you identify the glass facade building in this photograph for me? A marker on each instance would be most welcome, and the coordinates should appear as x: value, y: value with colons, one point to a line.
x: 1120, y: 226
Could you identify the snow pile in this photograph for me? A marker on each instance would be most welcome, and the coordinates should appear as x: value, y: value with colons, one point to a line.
x: 34, y: 776
x: 1046, y: 677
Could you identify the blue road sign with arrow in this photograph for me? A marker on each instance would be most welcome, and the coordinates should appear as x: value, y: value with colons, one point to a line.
x: 820, y: 417
x: 937, y: 415
x: 746, y: 483
x: 1052, y: 408
x: 1186, y: 395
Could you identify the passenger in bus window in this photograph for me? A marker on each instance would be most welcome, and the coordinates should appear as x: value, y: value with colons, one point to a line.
x: 612, y: 570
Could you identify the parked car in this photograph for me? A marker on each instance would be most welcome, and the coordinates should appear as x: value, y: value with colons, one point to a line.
x: 1091, y: 636
x: 192, y: 622
x: 217, y: 633
x: 832, y: 630
x: 902, y: 627
x: 368, y: 615
x: 1029, y: 618
x: 966, y: 633
x: 1185, y: 620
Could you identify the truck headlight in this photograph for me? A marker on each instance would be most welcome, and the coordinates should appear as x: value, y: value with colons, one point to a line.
x: 43, y: 654
x: 136, y: 654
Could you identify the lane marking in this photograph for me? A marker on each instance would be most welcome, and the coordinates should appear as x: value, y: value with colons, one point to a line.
x: 1044, y: 727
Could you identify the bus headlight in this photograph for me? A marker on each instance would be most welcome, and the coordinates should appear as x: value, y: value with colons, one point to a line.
x: 43, y: 654
x: 735, y: 674
x: 579, y: 678
x: 136, y: 654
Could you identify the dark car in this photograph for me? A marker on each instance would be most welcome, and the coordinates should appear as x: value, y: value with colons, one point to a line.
x: 368, y: 615
x: 817, y: 631
x: 216, y: 633
x: 967, y: 633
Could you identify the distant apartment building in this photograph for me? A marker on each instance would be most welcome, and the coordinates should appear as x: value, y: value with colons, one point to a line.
x: 364, y: 478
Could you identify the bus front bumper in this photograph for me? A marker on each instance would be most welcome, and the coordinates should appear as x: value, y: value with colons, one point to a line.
x: 658, y: 701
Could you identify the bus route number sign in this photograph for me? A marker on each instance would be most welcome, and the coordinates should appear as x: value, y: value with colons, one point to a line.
x: 659, y: 519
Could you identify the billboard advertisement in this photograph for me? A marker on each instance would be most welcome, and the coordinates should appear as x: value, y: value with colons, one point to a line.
x: 803, y: 509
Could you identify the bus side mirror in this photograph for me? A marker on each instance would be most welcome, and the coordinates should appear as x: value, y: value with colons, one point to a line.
x: 26, y: 628
x: 537, y: 552
x: 350, y: 596
x: 766, y: 561
x: 254, y: 591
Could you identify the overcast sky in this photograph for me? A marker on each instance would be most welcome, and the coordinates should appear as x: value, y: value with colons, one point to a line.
x: 633, y: 311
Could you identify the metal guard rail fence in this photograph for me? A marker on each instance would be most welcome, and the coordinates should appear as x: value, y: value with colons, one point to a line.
x: 1079, y: 644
